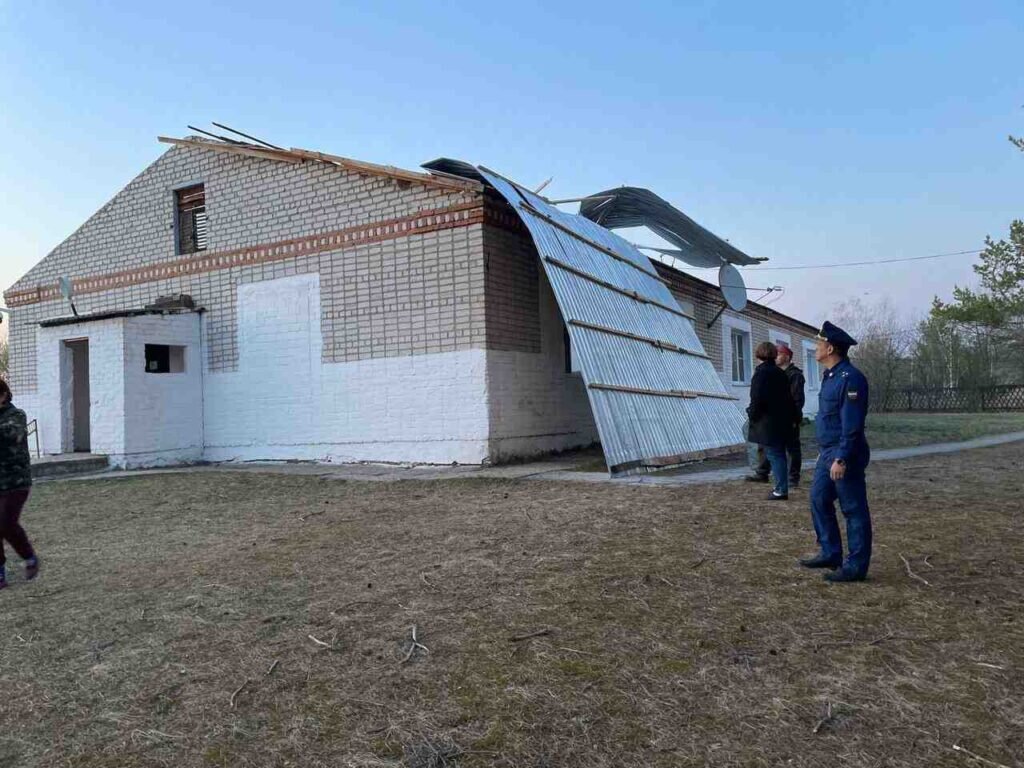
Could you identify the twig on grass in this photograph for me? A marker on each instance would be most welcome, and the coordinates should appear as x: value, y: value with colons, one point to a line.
x: 698, y: 564
x: 825, y: 720
x: 273, y: 667
x: 412, y: 648
x: 238, y: 690
x: 319, y: 642
x: 538, y: 633
x: 911, y: 573
x: 979, y: 758
x: 425, y: 580
x: 927, y: 563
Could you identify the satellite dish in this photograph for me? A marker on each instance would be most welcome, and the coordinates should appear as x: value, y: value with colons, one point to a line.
x: 734, y: 291
x: 67, y: 292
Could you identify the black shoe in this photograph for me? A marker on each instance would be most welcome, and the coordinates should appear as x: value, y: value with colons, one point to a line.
x: 794, y: 482
x: 820, y: 561
x: 773, y: 496
x: 842, y: 575
x: 756, y: 478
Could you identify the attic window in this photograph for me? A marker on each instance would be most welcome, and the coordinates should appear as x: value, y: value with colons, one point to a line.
x: 190, y: 205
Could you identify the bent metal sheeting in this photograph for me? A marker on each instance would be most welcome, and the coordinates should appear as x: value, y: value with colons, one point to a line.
x: 656, y: 397
x: 635, y: 207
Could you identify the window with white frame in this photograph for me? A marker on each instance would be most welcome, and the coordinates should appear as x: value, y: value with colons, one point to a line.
x: 740, y: 348
x: 812, y: 371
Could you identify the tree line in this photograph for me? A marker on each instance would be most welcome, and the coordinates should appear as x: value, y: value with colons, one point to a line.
x: 974, y: 341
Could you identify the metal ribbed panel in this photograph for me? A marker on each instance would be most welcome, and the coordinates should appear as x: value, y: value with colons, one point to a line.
x: 636, y: 430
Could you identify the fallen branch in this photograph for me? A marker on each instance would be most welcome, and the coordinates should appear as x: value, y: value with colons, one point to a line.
x: 911, y: 573
x: 423, y: 578
x: 238, y: 690
x: 825, y: 720
x: 979, y: 758
x: 412, y: 648
x: 927, y: 563
x: 273, y: 667
x: 538, y: 633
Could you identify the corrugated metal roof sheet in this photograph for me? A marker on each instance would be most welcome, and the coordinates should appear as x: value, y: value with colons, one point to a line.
x: 636, y: 207
x: 656, y: 396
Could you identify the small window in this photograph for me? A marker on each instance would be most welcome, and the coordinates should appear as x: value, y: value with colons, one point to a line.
x: 190, y: 204
x: 812, y: 372
x: 161, y: 358
x: 740, y: 356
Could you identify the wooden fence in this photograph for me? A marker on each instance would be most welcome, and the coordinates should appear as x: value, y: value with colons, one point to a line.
x: 1008, y: 397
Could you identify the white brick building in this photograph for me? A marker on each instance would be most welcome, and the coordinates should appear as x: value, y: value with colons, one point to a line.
x: 343, y: 312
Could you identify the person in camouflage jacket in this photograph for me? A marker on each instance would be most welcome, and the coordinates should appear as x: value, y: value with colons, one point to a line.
x: 15, y: 484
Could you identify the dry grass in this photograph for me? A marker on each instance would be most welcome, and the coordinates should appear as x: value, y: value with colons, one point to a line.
x: 262, y: 620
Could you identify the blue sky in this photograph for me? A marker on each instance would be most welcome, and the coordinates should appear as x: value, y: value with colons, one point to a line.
x: 803, y: 132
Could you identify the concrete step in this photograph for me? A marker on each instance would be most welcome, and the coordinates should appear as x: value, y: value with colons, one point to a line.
x: 68, y: 464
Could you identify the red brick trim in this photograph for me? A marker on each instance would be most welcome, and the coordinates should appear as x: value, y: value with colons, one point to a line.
x: 453, y: 217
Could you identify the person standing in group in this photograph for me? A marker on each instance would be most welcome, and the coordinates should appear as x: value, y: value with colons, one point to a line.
x: 840, y: 471
x: 784, y: 360
x: 771, y: 416
x: 15, y: 484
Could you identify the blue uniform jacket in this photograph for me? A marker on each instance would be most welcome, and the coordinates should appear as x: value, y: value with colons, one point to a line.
x: 842, y: 411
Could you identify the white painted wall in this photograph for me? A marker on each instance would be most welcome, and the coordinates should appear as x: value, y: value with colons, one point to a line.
x: 283, y: 403
x: 163, y: 411
x: 106, y: 385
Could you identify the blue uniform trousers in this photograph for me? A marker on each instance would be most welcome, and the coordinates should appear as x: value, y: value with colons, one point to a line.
x: 851, y: 492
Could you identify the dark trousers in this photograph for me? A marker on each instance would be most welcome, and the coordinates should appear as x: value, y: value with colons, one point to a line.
x: 11, y: 503
x: 764, y: 467
x: 852, y: 495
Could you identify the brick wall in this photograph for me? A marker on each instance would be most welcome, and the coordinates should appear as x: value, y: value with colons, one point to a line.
x: 396, y: 281
x: 512, y: 284
x: 764, y: 325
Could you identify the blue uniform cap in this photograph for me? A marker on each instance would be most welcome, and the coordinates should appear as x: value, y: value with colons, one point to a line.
x: 833, y: 334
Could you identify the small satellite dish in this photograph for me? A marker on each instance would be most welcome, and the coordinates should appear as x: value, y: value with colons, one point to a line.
x: 734, y: 291
x: 67, y: 292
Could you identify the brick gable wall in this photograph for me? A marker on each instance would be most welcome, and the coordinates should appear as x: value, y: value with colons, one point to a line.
x: 401, y: 264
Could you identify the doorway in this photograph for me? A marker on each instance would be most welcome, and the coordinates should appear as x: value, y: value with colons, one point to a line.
x: 76, y: 396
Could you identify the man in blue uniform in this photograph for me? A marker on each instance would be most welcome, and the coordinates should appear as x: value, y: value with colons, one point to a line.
x: 839, y: 473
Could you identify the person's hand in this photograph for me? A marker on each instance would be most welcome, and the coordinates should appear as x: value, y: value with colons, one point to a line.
x: 838, y: 471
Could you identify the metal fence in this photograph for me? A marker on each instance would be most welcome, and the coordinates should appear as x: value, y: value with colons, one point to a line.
x: 1007, y: 397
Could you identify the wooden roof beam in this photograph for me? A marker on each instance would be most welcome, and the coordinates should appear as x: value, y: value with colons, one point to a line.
x: 234, y: 149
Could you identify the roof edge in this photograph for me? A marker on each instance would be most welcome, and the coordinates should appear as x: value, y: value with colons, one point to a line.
x: 662, y: 267
x: 298, y: 156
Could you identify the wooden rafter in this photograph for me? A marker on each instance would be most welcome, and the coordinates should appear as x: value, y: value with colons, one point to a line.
x: 233, y: 149
x: 296, y: 156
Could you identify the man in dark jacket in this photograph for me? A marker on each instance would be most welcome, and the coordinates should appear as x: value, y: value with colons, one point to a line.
x: 771, y: 413
x: 784, y: 360
x: 15, y: 484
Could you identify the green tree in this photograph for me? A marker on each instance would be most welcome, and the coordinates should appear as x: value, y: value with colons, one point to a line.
x: 995, y: 310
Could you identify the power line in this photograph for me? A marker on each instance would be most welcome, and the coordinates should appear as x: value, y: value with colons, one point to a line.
x: 867, y: 263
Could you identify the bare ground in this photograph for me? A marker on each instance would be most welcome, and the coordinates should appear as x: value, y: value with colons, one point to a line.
x: 265, y: 620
